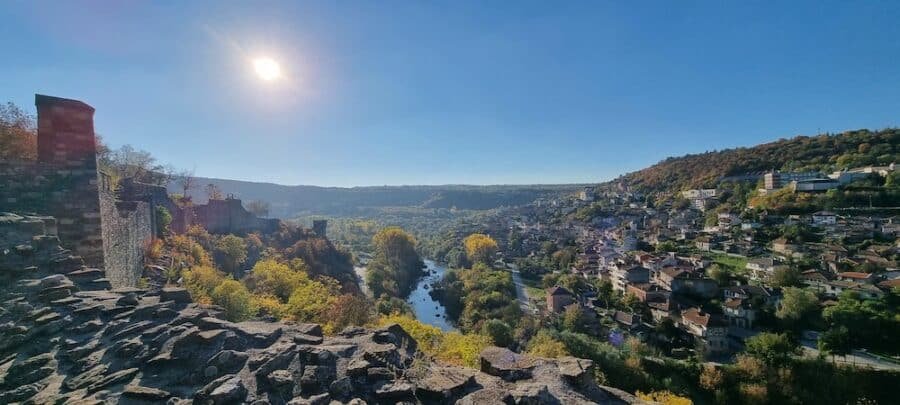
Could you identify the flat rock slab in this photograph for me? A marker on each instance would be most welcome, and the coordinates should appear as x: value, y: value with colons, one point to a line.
x: 145, y: 393
x: 506, y: 364
x: 175, y: 294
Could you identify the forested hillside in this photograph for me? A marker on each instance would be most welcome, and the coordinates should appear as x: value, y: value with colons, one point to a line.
x: 826, y: 152
x: 291, y: 201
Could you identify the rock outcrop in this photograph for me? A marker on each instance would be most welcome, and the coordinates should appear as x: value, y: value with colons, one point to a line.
x: 64, y: 339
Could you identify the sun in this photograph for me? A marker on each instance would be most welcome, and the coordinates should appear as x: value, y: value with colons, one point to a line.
x: 267, y: 69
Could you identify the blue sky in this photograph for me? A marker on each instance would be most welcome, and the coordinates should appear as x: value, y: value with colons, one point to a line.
x: 438, y: 92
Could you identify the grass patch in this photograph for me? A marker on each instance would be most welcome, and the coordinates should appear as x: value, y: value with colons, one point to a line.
x: 730, y: 263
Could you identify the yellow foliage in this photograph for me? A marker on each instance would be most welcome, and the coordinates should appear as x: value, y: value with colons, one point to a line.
x: 544, y: 345
x: 270, y: 305
x: 749, y: 367
x: 272, y: 278
x: 309, y: 301
x: 153, y: 250
x: 664, y: 397
x: 480, y: 248
x: 188, y: 251
x: 428, y: 337
x: 201, y: 281
x: 463, y: 350
x: 235, y: 299
x: 451, y: 347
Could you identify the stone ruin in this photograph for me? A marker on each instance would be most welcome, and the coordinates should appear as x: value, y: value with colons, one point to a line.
x: 110, y: 228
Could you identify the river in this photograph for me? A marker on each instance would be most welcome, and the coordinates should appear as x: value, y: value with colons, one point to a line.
x: 426, y: 309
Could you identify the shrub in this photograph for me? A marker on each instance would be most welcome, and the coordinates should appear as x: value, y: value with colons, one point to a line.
x: 153, y: 250
x: 463, y: 350
x: 202, y: 280
x: 235, y: 299
x: 272, y: 278
x: 500, y: 332
x: 545, y: 345
x: 664, y: 398
x: 309, y: 301
x: 270, y: 305
x: 163, y: 219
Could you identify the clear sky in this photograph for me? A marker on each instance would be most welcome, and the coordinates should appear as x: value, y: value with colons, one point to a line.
x: 437, y: 92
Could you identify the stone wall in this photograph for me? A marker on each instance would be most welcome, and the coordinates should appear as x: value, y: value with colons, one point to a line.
x: 69, y: 194
x: 128, y: 228
x: 221, y: 217
x: 64, y: 183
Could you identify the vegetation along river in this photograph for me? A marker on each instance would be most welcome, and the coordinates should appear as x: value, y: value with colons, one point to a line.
x: 427, y: 309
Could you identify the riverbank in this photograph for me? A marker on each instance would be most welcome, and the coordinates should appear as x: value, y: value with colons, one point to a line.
x: 426, y: 309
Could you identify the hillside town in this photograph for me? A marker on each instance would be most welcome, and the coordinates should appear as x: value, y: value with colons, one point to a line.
x: 719, y: 276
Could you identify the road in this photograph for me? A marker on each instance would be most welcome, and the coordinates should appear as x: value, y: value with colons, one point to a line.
x: 858, y: 358
x: 522, y: 293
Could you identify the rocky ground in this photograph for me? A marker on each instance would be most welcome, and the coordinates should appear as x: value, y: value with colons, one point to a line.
x: 66, y: 338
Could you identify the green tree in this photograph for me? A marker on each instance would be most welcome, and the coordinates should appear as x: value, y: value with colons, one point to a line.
x: 395, y: 265
x: 718, y: 274
x: 785, y: 276
x: 163, y: 219
x: 500, y: 332
x: 835, y: 341
x: 774, y: 349
x: 574, y: 319
x: 234, y: 250
x: 797, y: 306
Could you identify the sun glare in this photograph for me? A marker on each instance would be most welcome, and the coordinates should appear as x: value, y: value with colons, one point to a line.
x: 267, y: 69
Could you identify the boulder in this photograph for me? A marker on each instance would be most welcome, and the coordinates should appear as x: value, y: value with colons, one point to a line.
x: 506, y: 364
x: 533, y: 394
x: 128, y: 300
x: 395, y: 391
x: 228, y: 389
x: 487, y: 396
x: 444, y: 383
x: 176, y: 294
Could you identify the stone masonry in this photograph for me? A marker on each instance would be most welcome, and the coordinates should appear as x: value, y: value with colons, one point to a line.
x: 64, y: 183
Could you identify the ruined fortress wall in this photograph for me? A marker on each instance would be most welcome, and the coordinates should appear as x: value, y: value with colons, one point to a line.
x: 69, y: 194
x: 64, y: 183
x: 127, y: 231
x: 229, y: 216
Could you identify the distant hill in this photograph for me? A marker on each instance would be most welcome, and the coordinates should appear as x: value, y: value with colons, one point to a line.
x: 290, y: 201
x: 826, y: 152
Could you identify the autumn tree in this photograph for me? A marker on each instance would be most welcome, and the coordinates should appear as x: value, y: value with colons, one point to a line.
x: 18, y: 135
x: 480, y: 248
x: 395, y: 265
x: 348, y: 310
